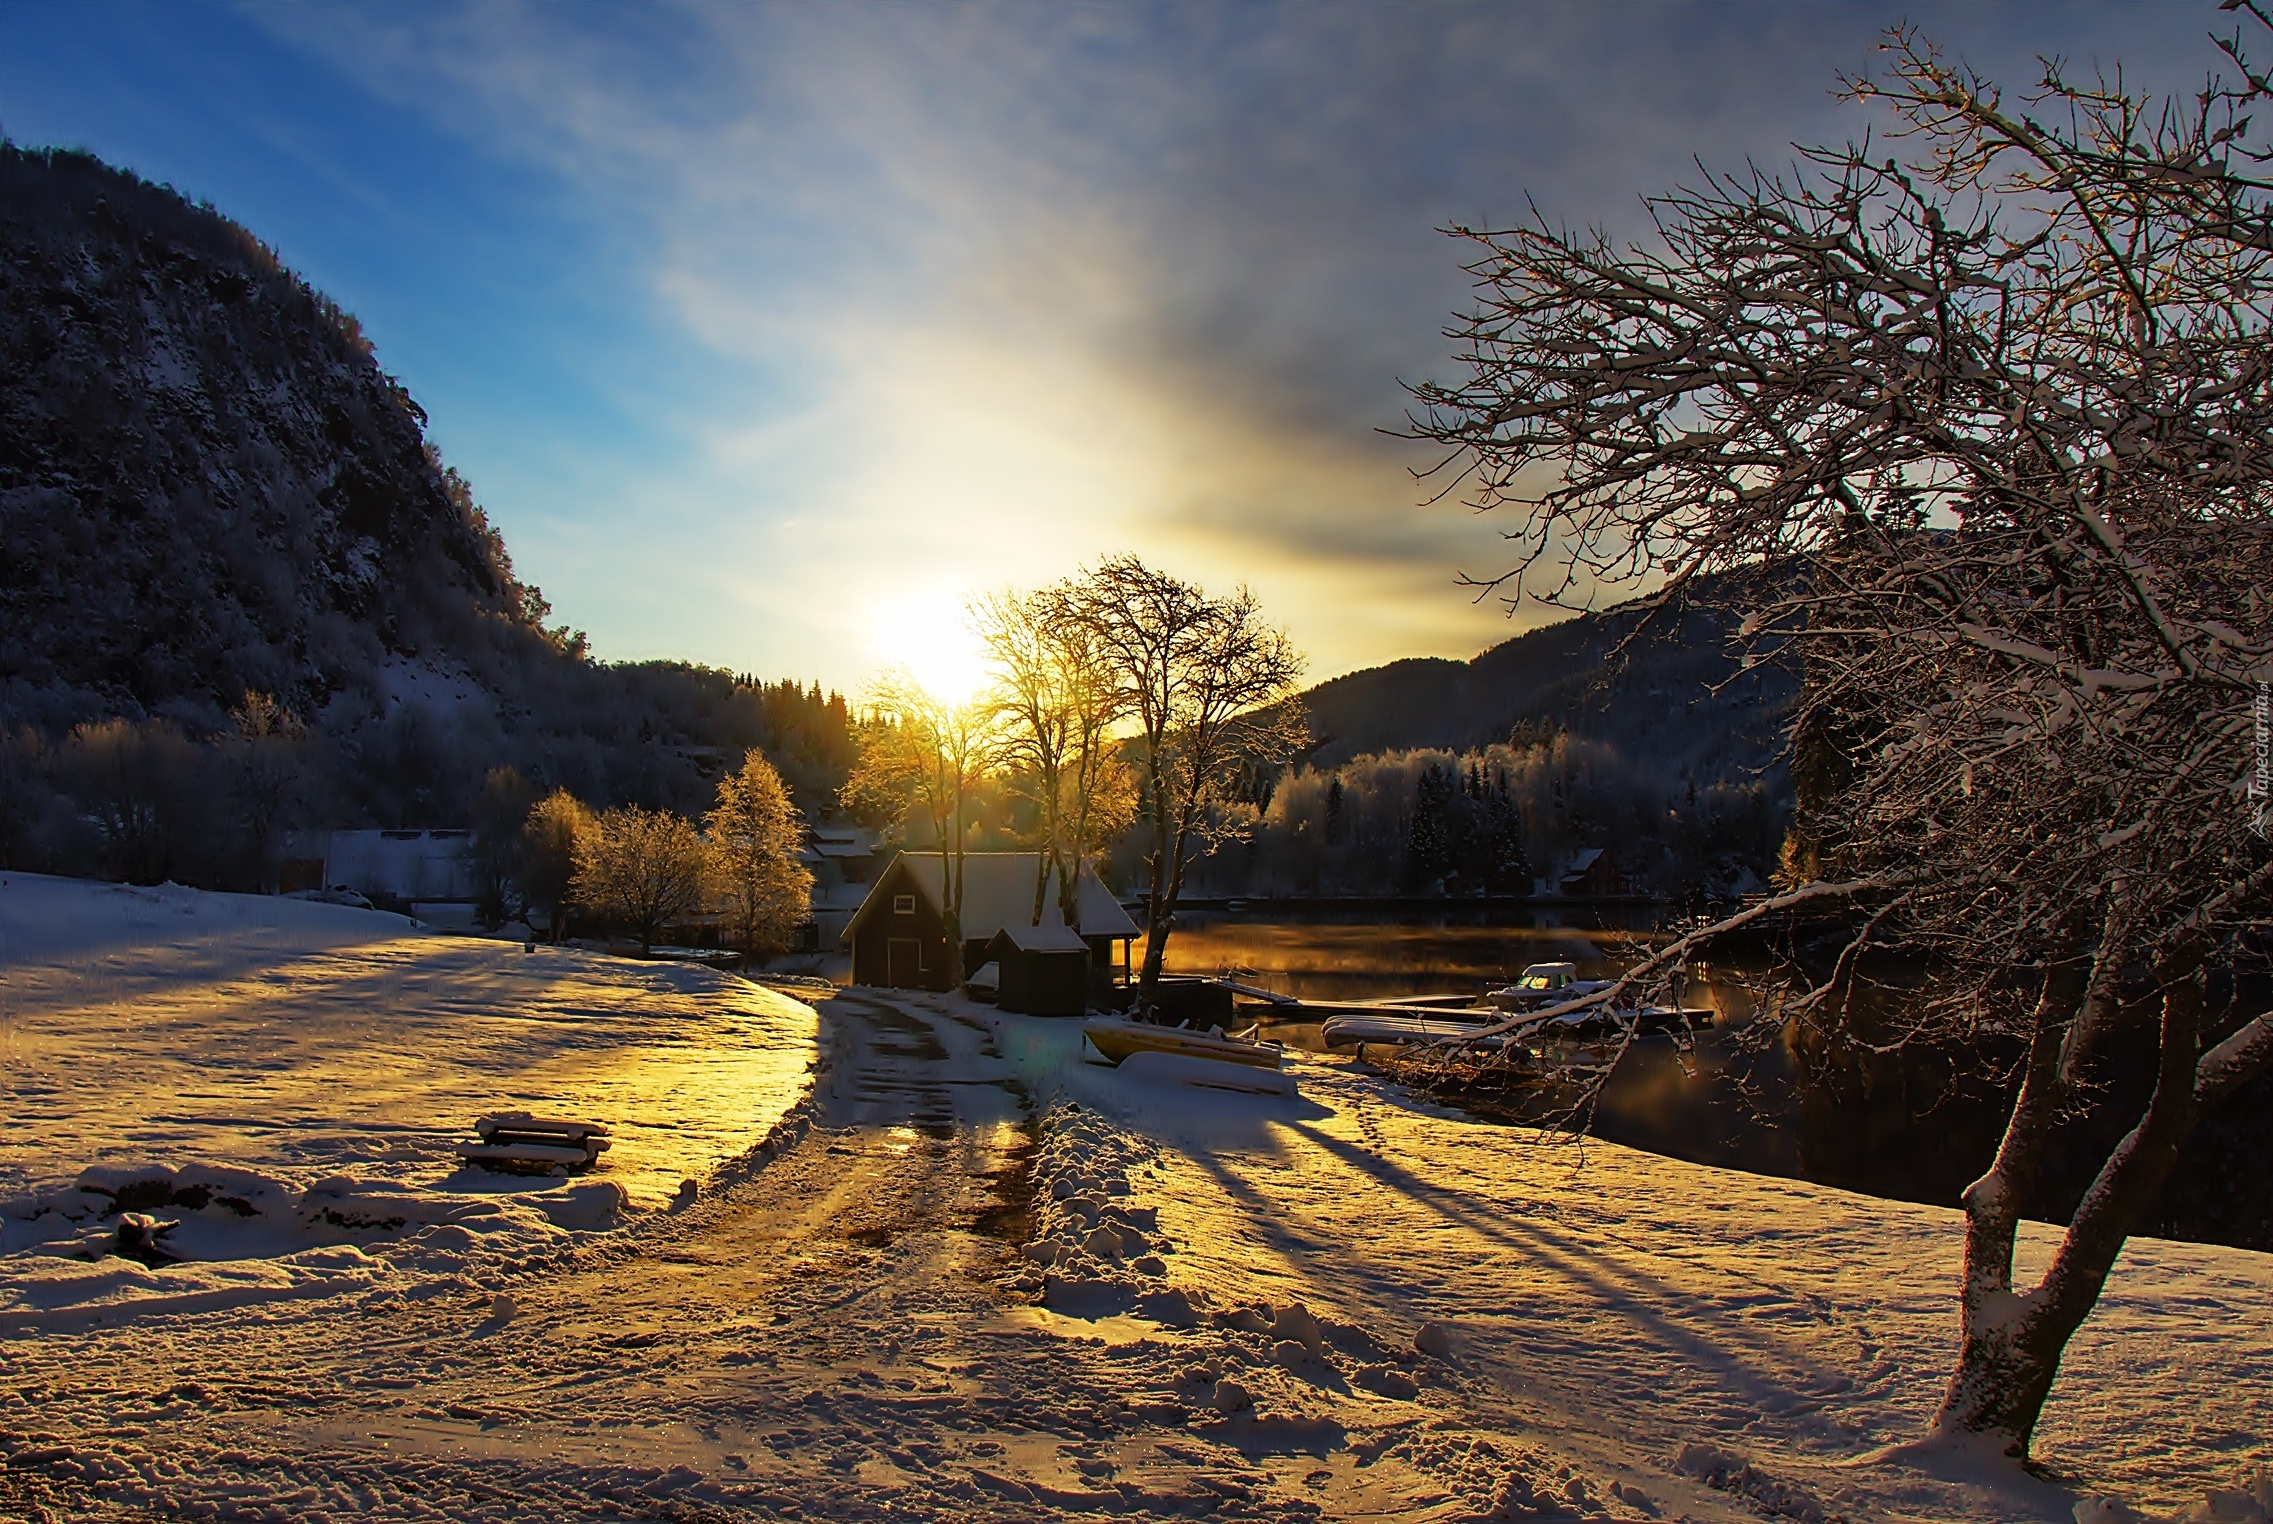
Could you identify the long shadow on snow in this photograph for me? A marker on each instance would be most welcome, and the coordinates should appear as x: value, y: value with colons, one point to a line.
x: 1634, y: 1294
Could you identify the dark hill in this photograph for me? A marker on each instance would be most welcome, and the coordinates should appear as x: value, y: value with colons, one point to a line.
x: 207, y: 484
x: 1677, y: 695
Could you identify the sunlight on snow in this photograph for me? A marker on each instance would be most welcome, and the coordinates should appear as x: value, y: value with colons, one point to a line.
x: 307, y: 1037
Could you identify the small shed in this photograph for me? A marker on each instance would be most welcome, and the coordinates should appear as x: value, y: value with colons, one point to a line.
x: 1040, y: 970
x: 899, y: 935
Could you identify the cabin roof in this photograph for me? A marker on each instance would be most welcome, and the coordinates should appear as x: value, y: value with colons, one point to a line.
x: 998, y: 894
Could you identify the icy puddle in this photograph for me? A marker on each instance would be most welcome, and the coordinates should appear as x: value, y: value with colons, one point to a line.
x: 304, y: 1041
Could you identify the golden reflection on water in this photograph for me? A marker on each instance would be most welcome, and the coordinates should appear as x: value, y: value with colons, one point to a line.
x: 1355, y: 960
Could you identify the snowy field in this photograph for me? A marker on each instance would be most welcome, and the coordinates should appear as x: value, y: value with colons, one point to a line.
x: 1632, y: 1317
x: 968, y: 1275
x: 317, y: 1064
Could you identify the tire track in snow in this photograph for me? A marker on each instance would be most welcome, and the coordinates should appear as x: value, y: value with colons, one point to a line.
x: 826, y: 1337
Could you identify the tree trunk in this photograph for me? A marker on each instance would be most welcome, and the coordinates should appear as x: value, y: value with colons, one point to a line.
x: 1156, y: 907
x: 1170, y: 868
x: 2012, y: 1344
x: 1155, y: 950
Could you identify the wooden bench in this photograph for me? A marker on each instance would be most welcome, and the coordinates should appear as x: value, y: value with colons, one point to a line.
x: 515, y: 1143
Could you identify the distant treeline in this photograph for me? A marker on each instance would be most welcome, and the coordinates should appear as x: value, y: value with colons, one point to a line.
x: 1494, y: 819
x: 152, y: 798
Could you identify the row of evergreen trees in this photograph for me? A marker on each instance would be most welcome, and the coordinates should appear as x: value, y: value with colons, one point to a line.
x: 1495, y: 820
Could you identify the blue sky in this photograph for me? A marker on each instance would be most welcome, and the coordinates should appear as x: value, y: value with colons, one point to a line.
x: 770, y: 334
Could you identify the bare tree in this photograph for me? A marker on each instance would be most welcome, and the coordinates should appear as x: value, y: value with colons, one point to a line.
x: 922, y: 756
x: 1057, y: 698
x: 139, y: 781
x: 24, y: 793
x: 1990, y: 428
x: 265, y: 776
x: 1211, y: 688
x: 755, y: 833
x: 501, y: 815
x: 642, y: 869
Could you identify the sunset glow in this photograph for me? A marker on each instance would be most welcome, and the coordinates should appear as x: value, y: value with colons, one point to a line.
x: 929, y: 637
x: 967, y: 297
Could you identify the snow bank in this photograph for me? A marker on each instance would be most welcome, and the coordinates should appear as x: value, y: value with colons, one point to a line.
x: 1607, y: 1321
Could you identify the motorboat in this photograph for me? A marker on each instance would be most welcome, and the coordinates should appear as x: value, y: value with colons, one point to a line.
x: 1545, y: 984
x: 1116, y: 1040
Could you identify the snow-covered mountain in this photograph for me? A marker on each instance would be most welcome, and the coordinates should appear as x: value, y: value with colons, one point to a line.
x: 207, y: 484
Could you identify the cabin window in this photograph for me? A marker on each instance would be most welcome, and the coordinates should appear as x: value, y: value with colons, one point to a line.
x: 903, y: 904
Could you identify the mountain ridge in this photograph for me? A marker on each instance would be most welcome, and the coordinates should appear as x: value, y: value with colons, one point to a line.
x: 1678, y: 689
x: 207, y: 483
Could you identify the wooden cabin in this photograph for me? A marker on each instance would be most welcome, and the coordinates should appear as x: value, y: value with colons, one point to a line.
x: 1591, y: 872
x: 1042, y: 970
x: 1043, y: 967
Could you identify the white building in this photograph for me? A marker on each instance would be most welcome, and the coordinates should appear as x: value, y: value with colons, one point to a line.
x: 409, y: 867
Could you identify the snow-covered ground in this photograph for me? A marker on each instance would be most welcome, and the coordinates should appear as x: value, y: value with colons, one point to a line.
x: 1637, y: 1321
x: 969, y: 1275
x: 286, y: 1081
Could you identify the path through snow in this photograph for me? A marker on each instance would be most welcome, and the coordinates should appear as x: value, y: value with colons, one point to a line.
x: 972, y: 1276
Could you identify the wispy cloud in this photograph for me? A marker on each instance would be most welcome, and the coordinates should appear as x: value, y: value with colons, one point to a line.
x: 976, y: 293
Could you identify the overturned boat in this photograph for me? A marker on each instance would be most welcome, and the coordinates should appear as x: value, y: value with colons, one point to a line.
x: 1117, y: 1040
x: 1597, y: 1023
x: 1387, y: 1027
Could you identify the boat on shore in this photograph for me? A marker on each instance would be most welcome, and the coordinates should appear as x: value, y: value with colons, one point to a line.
x: 1545, y: 984
x: 1117, y: 1040
x: 1387, y: 1028
x: 1597, y: 1023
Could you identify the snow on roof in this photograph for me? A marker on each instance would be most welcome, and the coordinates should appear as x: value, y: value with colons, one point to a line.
x: 842, y: 841
x: 1051, y: 936
x: 1582, y: 860
x: 998, y: 892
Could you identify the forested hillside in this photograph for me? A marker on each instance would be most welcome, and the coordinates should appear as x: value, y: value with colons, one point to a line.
x: 1676, y: 694
x: 206, y: 482
x: 236, y: 581
x: 1657, y: 747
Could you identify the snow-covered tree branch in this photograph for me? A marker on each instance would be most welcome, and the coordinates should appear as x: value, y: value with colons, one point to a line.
x: 1993, y: 421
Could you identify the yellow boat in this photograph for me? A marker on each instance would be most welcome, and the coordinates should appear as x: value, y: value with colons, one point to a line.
x: 1119, y: 1039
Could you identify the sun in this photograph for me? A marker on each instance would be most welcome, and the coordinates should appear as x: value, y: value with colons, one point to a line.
x: 929, y: 635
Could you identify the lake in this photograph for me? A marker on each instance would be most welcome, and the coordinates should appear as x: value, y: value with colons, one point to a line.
x: 1716, y: 1103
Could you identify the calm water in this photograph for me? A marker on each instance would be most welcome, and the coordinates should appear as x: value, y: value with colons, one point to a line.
x: 1354, y: 957
x: 1715, y: 1103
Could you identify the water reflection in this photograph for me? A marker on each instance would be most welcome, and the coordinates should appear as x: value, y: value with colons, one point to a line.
x: 1351, y: 956
x: 1719, y: 1101
x: 1867, y: 1112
